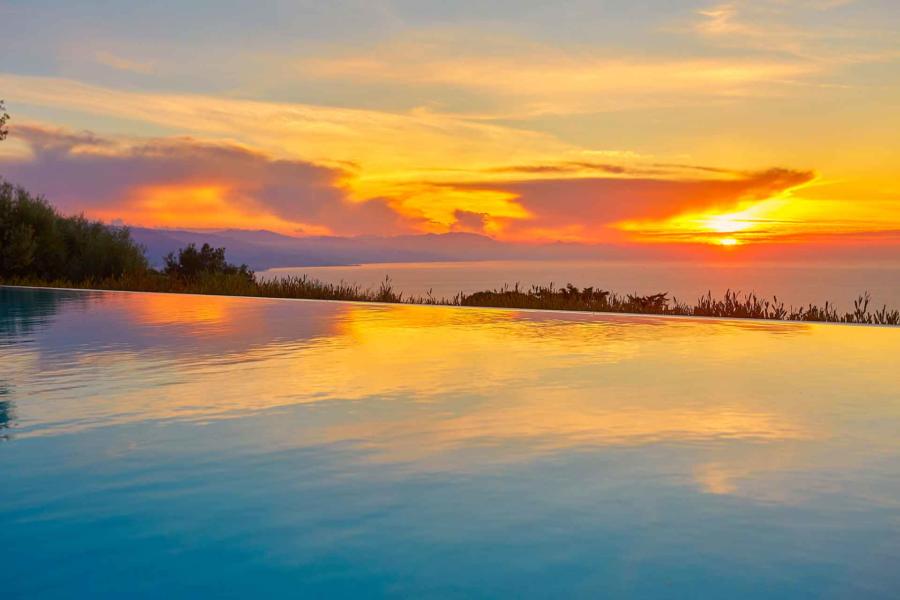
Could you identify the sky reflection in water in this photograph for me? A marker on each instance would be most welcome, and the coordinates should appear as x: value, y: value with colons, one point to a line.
x: 233, y: 446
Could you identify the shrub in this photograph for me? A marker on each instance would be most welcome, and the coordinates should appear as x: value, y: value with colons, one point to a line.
x: 191, y: 264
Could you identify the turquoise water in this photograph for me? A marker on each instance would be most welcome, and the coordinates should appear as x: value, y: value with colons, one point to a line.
x: 183, y: 446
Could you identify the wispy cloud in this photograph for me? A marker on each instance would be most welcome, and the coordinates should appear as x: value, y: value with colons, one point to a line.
x: 121, y: 63
x: 380, y: 140
x: 796, y: 29
x: 532, y: 79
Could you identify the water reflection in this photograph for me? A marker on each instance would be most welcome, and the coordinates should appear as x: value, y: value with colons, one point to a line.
x: 518, y: 384
x: 22, y: 311
x: 6, y: 411
x: 489, y: 425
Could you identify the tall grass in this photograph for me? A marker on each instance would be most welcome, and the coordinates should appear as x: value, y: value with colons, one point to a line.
x: 731, y: 305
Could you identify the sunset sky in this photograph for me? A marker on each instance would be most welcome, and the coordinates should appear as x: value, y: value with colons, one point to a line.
x: 658, y: 121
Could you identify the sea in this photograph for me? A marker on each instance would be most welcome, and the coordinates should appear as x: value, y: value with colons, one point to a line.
x: 796, y: 284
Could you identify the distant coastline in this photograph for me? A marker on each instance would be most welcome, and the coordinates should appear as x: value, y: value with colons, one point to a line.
x: 43, y: 248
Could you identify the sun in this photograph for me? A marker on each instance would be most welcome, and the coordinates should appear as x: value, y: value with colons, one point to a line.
x: 727, y: 223
x: 749, y: 223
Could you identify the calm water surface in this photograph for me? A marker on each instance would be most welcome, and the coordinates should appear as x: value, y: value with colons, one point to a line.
x: 182, y: 446
x: 793, y: 283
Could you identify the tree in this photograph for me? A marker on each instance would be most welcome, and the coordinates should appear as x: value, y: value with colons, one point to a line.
x: 4, y: 117
x: 191, y: 264
x: 36, y: 241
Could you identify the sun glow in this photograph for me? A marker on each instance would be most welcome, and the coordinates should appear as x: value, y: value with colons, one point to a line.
x: 727, y: 223
x: 752, y: 223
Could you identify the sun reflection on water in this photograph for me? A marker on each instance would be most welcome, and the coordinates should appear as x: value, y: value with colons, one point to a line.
x: 422, y: 386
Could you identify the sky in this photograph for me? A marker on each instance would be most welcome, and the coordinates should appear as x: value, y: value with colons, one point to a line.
x: 669, y: 122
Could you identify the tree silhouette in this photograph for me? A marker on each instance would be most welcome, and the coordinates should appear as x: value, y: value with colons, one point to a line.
x: 36, y: 241
x: 191, y: 264
x: 4, y: 117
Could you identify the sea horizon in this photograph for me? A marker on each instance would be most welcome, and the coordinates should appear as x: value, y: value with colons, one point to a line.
x: 797, y: 282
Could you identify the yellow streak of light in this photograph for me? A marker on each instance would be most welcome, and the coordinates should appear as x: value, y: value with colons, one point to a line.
x: 752, y: 221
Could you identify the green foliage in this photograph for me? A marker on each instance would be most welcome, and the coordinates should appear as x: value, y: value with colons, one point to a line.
x: 36, y: 241
x: 192, y: 265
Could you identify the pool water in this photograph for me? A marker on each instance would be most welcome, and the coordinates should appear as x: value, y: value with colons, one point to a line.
x: 182, y: 446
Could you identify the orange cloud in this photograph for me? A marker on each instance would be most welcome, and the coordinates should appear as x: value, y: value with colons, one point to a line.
x: 185, y: 182
x: 188, y: 183
x: 602, y: 209
x: 200, y: 206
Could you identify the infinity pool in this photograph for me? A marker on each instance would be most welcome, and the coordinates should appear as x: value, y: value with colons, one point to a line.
x: 185, y: 446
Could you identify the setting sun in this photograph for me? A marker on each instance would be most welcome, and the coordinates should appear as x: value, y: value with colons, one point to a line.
x: 729, y: 223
